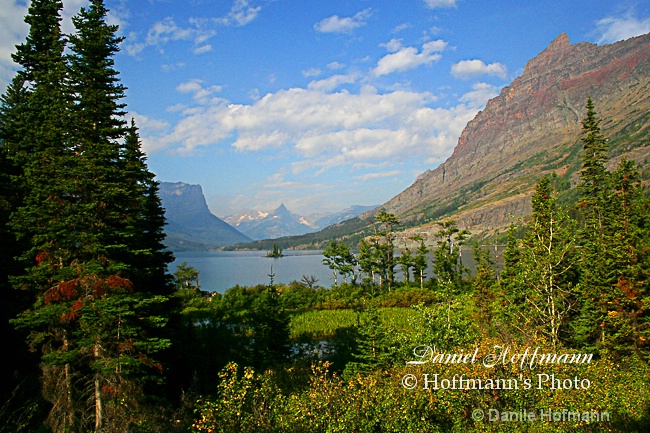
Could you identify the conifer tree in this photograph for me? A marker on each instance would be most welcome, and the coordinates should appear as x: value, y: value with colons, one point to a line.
x: 420, y: 261
x: 270, y: 326
x: 447, y: 265
x: 388, y: 221
x: 540, y: 278
x: 373, y: 343
x: 613, y: 311
x: 92, y: 224
x: 483, y: 284
x: 43, y: 221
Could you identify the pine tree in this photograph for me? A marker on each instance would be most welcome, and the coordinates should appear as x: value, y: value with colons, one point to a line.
x: 447, y: 264
x: 388, y: 221
x: 483, y: 284
x: 270, y: 325
x: 594, y: 177
x: 613, y: 316
x: 540, y: 279
x: 92, y: 224
x: 43, y: 221
x: 373, y: 343
x: 421, y: 261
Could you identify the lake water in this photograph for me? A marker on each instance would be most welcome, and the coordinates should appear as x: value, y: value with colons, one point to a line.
x: 221, y: 270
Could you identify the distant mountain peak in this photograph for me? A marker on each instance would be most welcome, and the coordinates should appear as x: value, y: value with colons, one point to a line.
x: 191, y: 225
x: 282, y: 222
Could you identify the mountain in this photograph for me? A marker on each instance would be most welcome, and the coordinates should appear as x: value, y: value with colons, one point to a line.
x: 532, y: 128
x: 270, y: 225
x: 190, y: 224
x: 322, y: 221
x: 281, y: 222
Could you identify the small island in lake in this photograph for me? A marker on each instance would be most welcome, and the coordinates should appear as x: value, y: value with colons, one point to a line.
x: 276, y: 253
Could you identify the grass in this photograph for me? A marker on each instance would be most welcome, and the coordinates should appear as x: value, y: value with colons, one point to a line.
x: 324, y: 323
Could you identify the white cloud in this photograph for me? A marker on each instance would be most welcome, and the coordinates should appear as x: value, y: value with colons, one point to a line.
x: 617, y: 29
x: 335, y: 66
x: 435, y: 4
x: 400, y: 27
x: 202, y: 95
x: 311, y: 72
x: 12, y: 32
x: 202, y: 49
x: 406, y: 58
x: 481, y: 93
x: 393, y: 45
x: 331, y: 83
x: 336, y: 24
x: 198, y: 30
x: 241, y: 13
x: 167, y: 30
x: 321, y: 130
x: 471, y: 68
x: 378, y: 175
x: 153, y: 129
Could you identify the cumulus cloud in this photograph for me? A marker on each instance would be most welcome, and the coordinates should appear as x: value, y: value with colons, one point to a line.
x: 480, y: 94
x: 167, y: 30
x: 331, y: 83
x: 466, y: 69
x: 613, y: 29
x: 335, y: 65
x: 405, y: 58
x: 311, y: 72
x: 336, y: 24
x: 322, y: 130
x: 202, y: 95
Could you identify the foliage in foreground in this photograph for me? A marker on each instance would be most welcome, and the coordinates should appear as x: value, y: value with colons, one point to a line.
x: 250, y: 401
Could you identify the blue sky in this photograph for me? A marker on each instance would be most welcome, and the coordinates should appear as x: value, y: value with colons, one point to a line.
x: 320, y: 104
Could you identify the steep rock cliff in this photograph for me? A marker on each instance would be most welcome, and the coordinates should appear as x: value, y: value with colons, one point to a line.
x: 532, y: 128
x: 190, y: 224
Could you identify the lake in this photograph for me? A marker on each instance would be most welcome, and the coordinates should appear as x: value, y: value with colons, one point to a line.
x: 221, y: 270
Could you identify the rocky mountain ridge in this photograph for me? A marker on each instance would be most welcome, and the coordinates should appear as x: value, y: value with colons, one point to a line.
x: 533, y: 128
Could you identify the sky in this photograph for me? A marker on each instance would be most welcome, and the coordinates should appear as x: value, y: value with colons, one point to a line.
x: 320, y: 104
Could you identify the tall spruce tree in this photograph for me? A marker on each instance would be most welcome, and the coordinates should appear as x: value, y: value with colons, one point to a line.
x: 540, y: 278
x: 92, y: 224
x: 613, y: 316
x: 43, y: 220
x: 20, y: 390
